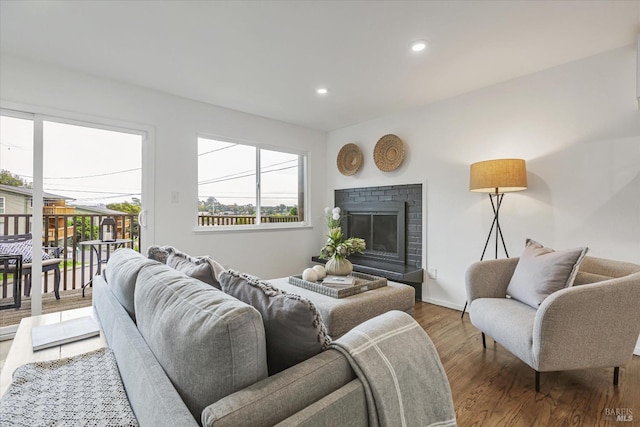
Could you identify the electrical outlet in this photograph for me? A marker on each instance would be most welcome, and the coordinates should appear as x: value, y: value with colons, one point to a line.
x: 175, y: 197
x: 433, y: 273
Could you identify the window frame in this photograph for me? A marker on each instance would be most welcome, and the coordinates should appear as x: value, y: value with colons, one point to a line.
x: 3, y: 204
x: 306, y: 223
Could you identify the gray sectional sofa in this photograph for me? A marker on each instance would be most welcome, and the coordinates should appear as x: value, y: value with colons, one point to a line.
x: 190, y: 354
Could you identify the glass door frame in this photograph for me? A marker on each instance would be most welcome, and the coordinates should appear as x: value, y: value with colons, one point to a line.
x: 39, y: 115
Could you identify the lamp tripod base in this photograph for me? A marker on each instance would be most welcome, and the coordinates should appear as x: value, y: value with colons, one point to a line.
x: 495, y: 225
x: 495, y: 205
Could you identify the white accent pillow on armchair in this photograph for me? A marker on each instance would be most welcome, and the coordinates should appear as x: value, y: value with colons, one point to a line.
x: 542, y: 271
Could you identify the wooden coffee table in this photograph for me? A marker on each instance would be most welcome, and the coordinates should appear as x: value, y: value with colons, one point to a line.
x: 21, y: 350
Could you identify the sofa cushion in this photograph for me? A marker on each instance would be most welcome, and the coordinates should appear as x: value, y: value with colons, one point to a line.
x: 542, y: 271
x: 294, y: 328
x: 209, y: 343
x: 121, y: 273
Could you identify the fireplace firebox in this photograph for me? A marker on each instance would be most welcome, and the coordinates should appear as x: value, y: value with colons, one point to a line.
x: 383, y: 227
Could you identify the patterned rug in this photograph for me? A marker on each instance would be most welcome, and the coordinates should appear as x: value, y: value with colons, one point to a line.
x: 76, y: 391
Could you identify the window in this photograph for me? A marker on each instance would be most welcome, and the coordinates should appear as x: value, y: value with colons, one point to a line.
x: 240, y: 184
x: 1, y: 205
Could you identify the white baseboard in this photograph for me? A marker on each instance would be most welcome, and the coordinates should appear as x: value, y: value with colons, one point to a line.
x: 443, y: 303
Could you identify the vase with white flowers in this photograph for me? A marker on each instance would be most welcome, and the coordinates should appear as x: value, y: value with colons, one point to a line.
x: 337, y: 249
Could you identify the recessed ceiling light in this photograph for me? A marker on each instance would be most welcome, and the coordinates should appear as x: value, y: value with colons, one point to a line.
x: 322, y: 91
x: 418, y: 46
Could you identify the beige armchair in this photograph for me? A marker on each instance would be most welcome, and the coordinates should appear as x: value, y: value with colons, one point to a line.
x: 593, y: 324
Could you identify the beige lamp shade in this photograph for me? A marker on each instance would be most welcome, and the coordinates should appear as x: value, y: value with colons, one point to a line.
x: 498, y: 176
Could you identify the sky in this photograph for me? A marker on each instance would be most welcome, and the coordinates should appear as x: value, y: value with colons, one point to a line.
x: 92, y: 166
x: 227, y: 171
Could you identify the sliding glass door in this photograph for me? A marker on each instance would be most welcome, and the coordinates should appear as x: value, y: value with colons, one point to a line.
x: 60, y: 179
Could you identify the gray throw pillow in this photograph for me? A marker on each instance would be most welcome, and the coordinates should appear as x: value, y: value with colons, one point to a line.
x: 293, y: 326
x: 542, y: 271
x: 202, y: 268
x: 158, y: 253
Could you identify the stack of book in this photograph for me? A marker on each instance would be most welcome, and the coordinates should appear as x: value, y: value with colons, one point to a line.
x: 46, y: 336
x: 339, y: 282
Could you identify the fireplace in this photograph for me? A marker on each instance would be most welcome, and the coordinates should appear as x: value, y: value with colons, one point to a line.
x: 389, y: 218
x: 381, y: 225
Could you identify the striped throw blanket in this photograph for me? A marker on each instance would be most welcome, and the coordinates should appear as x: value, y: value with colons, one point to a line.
x: 398, y: 365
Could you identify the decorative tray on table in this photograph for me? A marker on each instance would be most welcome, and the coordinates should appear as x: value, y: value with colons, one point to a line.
x: 362, y: 282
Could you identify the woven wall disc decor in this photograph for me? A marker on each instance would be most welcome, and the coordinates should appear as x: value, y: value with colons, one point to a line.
x: 388, y: 153
x: 349, y: 159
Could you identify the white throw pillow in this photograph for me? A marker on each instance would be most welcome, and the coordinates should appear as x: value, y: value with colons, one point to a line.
x: 542, y: 271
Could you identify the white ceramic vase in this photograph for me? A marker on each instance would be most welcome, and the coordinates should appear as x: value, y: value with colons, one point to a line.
x: 339, y: 267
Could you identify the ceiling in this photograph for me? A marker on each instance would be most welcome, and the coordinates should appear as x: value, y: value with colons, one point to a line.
x: 268, y: 58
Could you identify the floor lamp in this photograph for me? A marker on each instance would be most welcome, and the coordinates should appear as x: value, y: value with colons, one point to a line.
x: 496, y: 177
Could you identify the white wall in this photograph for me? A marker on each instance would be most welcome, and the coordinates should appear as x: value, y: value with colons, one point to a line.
x: 578, y: 127
x: 176, y: 122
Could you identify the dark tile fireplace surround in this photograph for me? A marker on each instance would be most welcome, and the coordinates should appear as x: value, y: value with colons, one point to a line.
x: 389, y: 218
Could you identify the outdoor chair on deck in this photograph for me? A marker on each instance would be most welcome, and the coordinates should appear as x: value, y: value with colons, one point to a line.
x: 22, y: 244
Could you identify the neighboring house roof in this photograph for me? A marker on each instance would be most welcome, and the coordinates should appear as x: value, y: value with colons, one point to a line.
x: 29, y: 192
x: 99, y: 209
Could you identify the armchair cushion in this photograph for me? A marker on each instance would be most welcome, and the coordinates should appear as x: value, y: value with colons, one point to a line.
x: 542, y: 271
x: 508, y: 322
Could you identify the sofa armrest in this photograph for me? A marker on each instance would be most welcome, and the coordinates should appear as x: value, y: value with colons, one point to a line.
x: 588, y: 325
x: 489, y: 279
x: 280, y: 396
x: 346, y: 406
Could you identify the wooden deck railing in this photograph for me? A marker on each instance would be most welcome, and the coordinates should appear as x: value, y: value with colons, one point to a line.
x: 205, y: 220
x: 67, y: 231
x: 79, y: 262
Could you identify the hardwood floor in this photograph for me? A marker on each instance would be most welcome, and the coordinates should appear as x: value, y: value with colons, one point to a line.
x: 494, y: 388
